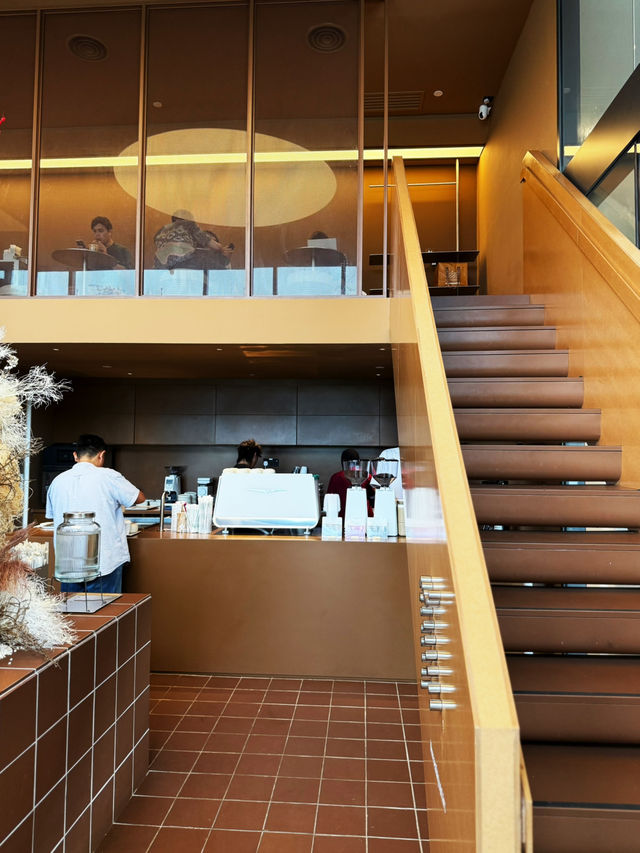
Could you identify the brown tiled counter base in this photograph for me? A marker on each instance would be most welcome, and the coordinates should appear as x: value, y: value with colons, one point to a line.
x: 74, y: 732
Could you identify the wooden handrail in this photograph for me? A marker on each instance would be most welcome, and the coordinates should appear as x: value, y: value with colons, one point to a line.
x: 473, y: 751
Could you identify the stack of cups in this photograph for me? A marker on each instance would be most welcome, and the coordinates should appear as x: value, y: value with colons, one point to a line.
x: 205, y: 514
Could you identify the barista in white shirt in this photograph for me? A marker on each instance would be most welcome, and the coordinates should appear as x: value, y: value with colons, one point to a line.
x: 90, y: 487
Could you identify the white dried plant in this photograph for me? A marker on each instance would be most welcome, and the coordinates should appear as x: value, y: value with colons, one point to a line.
x: 30, y: 617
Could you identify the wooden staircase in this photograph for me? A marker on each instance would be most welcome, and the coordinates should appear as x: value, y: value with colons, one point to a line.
x: 573, y: 650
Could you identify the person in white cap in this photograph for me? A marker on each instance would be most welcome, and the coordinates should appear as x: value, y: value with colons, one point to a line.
x: 177, y: 244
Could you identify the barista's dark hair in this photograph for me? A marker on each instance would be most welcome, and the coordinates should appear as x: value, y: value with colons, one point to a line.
x: 247, y: 450
x: 101, y: 220
x: 89, y: 445
x: 349, y: 454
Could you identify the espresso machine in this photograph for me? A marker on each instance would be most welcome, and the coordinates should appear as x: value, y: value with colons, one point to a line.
x: 172, y: 483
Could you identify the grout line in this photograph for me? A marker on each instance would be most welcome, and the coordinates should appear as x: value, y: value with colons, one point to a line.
x: 324, y: 758
x: 413, y: 790
x: 366, y: 774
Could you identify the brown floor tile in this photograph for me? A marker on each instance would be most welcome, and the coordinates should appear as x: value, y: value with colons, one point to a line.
x: 394, y: 749
x: 253, y: 696
x: 411, y: 716
x: 423, y: 824
x: 276, y: 712
x: 414, y: 748
x: 304, y: 746
x: 257, y: 788
x: 290, y: 817
x: 317, y: 684
x: 241, y: 815
x: 392, y: 823
x: 417, y: 771
x: 338, y: 844
x: 419, y: 794
x: 311, y: 712
x: 234, y: 725
x: 348, y: 700
x: 145, y: 811
x: 196, y: 723
x: 171, y: 840
x: 392, y: 845
x: 343, y: 768
x: 341, y: 820
x: 382, y: 687
x: 308, y: 767
x: 258, y: 765
x: 163, y: 722
x: 172, y: 760
x: 123, y: 839
x: 384, y: 715
x: 211, y: 786
x: 265, y: 744
x: 341, y: 714
x: 342, y: 792
x: 308, y: 728
x: 311, y: 698
x: 342, y: 748
x: 158, y: 739
x: 232, y: 841
x: 384, y: 731
x: 183, y: 692
x: 216, y: 694
x: 254, y: 683
x: 171, y: 706
x: 379, y: 770
x: 216, y: 762
x: 348, y: 686
x: 241, y: 709
x: 382, y: 701
x: 296, y: 790
x: 223, y: 742
x: 349, y: 730
x: 273, y: 842
x: 268, y: 726
x: 192, y: 813
x: 281, y: 697
x: 229, y: 681
x: 206, y: 709
x: 161, y: 784
x: 391, y: 794
x: 285, y: 684
x: 191, y: 741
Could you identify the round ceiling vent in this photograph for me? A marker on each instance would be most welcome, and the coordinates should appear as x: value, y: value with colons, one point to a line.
x: 87, y: 48
x: 327, y: 38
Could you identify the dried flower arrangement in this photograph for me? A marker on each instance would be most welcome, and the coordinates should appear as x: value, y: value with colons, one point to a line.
x: 28, y: 615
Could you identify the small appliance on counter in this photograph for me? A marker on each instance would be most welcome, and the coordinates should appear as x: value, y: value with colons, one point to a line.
x: 355, y: 514
x: 172, y: 483
x: 204, y: 486
x: 384, y: 472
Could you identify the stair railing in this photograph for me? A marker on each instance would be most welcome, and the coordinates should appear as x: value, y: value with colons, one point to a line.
x: 477, y: 789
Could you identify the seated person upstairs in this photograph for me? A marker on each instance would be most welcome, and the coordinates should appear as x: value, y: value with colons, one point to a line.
x: 177, y: 245
x: 103, y: 238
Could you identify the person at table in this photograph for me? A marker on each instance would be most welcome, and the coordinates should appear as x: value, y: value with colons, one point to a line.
x: 103, y: 240
x: 90, y: 487
x: 179, y: 245
x: 340, y: 483
x: 249, y: 454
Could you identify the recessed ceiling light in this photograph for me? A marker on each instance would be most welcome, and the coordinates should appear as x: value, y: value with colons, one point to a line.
x: 106, y: 366
x: 129, y: 373
x: 438, y: 93
x: 56, y: 349
x: 157, y: 104
x: 379, y: 366
x: 382, y: 349
x: 219, y: 349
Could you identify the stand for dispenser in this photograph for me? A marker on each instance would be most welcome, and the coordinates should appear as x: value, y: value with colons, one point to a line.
x: 88, y: 602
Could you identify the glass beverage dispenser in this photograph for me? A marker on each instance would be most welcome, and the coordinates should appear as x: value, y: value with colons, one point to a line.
x: 77, y: 548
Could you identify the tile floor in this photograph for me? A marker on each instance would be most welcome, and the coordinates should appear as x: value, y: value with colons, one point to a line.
x: 278, y: 765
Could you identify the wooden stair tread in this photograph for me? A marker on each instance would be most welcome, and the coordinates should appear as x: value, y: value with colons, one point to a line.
x: 539, y: 362
x: 497, y: 338
x: 527, y: 424
x: 569, y: 599
x: 498, y: 391
x: 444, y: 301
x: 575, y: 674
x: 541, y: 462
x: 459, y: 316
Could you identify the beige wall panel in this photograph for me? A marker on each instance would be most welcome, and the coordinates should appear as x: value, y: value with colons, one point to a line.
x: 524, y: 116
x: 601, y: 330
x: 167, y: 321
x: 262, y: 605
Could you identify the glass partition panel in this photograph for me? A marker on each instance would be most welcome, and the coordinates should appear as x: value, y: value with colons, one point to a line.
x: 306, y: 148
x: 616, y: 194
x: 88, y: 158
x: 16, y: 105
x: 195, y: 203
x: 598, y: 50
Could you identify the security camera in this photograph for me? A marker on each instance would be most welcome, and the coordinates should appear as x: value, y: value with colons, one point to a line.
x: 485, y: 108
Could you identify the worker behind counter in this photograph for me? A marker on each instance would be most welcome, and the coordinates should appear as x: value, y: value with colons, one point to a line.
x: 90, y: 487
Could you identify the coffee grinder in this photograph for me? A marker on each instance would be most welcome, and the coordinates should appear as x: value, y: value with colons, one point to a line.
x: 384, y: 472
x: 355, y: 514
x: 172, y: 483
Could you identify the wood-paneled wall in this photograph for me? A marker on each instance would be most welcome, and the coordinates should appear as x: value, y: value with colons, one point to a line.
x: 587, y: 273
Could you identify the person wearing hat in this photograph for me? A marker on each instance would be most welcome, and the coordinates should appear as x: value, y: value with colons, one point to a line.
x: 178, y: 242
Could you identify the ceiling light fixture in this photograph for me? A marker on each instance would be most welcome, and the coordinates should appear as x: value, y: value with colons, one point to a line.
x: 87, y: 48
x: 438, y: 93
x: 326, y: 38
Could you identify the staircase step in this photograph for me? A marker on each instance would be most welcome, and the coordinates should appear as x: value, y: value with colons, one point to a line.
x: 542, y: 556
x: 568, y: 619
x: 528, y: 424
x: 526, y: 391
x: 497, y: 338
x: 549, y: 362
x: 577, y: 698
x: 488, y: 315
x: 541, y: 462
x: 481, y: 299
x: 586, y: 798
x: 557, y: 506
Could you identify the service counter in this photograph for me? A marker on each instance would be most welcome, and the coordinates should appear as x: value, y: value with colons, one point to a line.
x: 277, y: 605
